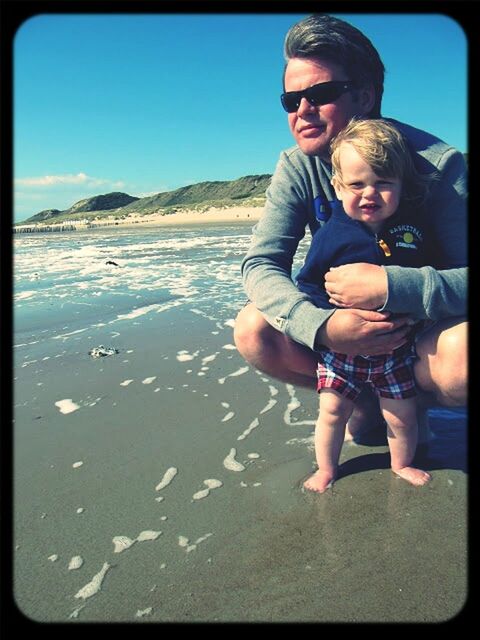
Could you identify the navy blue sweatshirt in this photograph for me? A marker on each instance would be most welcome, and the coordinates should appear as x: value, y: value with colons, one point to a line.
x: 402, y: 240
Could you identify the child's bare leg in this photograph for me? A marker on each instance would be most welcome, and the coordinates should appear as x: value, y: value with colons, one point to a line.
x: 334, y: 412
x: 365, y: 415
x: 402, y: 434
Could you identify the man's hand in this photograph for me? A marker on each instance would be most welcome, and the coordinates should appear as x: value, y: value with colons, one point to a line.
x: 361, y: 332
x: 357, y: 286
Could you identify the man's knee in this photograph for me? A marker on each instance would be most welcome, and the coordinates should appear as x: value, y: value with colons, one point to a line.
x: 251, y: 333
x: 272, y: 352
x: 442, y: 368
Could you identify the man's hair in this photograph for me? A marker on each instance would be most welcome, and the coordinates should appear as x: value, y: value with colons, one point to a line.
x: 385, y: 150
x: 334, y: 40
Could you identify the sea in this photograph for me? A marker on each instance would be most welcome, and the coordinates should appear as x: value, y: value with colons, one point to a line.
x: 68, y: 282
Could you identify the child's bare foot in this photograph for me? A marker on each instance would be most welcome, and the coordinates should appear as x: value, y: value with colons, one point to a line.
x: 320, y: 481
x: 416, y: 477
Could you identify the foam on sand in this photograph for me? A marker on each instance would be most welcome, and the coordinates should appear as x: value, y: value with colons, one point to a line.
x: 122, y: 543
x: 184, y: 542
x: 141, y: 311
x: 239, y: 372
x: 231, y: 464
x: 210, y: 358
x: 229, y: 415
x: 95, y: 584
x: 167, y: 478
x: 148, y: 535
x: 271, y: 403
x: 253, y: 425
x: 292, y: 405
x: 66, y: 405
x: 184, y: 356
x: 75, y: 563
x: 211, y: 483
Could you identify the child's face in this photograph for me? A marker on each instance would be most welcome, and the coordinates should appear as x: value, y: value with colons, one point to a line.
x: 365, y: 196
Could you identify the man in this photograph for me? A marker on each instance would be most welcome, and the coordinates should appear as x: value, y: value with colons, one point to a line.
x: 334, y: 73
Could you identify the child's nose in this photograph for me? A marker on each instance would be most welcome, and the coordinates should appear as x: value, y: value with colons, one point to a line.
x: 369, y: 191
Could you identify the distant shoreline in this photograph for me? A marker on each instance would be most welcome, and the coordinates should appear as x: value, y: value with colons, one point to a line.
x: 231, y: 214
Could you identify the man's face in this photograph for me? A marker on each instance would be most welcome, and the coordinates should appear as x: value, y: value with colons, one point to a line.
x: 314, y: 127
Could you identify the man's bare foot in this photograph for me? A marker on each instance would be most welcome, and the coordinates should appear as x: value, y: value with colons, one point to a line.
x: 416, y: 477
x: 320, y: 481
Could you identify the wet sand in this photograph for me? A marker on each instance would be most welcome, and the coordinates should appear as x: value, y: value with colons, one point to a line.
x: 166, y: 486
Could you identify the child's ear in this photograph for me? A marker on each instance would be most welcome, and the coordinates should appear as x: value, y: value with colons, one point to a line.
x: 336, y: 186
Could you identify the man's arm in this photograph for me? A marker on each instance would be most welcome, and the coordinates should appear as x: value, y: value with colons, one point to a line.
x: 267, y: 266
x: 422, y: 292
x: 439, y: 292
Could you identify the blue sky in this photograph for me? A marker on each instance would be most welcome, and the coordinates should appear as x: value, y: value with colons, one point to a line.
x: 149, y: 103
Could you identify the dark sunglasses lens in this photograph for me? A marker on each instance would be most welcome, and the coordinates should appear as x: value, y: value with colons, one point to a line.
x: 324, y: 94
x: 290, y: 101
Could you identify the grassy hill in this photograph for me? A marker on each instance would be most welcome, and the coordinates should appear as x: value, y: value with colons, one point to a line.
x: 247, y: 191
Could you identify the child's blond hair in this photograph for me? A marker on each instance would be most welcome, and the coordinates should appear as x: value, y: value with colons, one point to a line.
x: 382, y: 147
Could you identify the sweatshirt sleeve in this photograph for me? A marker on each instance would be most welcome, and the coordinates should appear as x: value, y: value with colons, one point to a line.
x: 267, y: 266
x: 438, y: 292
x: 426, y: 293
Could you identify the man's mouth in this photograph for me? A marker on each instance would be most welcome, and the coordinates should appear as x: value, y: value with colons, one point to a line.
x: 311, y: 128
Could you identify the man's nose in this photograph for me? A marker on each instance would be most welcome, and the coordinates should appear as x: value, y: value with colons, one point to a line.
x: 305, y: 107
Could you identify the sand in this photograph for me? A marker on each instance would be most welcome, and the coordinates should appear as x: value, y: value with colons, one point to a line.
x: 231, y: 214
x: 212, y: 215
x: 188, y: 503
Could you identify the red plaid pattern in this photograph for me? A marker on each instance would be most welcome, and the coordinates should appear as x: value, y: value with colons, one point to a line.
x: 390, y: 375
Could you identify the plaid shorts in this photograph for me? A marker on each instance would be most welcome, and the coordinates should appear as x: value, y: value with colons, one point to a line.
x: 390, y: 375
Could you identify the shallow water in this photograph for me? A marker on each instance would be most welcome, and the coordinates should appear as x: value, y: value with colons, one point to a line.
x: 68, y: 282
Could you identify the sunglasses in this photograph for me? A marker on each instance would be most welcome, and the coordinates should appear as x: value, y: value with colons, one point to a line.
x: 323, y: 93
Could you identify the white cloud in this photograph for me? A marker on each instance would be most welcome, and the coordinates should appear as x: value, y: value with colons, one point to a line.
x: 34, y: 194
x: 147, y: 194
x: 68, y: 179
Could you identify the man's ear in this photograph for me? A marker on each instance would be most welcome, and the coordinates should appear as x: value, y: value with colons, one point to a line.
x: 366, y: 99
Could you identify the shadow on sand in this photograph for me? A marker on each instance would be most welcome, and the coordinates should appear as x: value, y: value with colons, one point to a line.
x: 447, y: 448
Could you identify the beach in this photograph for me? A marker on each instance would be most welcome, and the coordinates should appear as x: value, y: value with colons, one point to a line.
x: 212, y: 215
x: 162, y: 481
